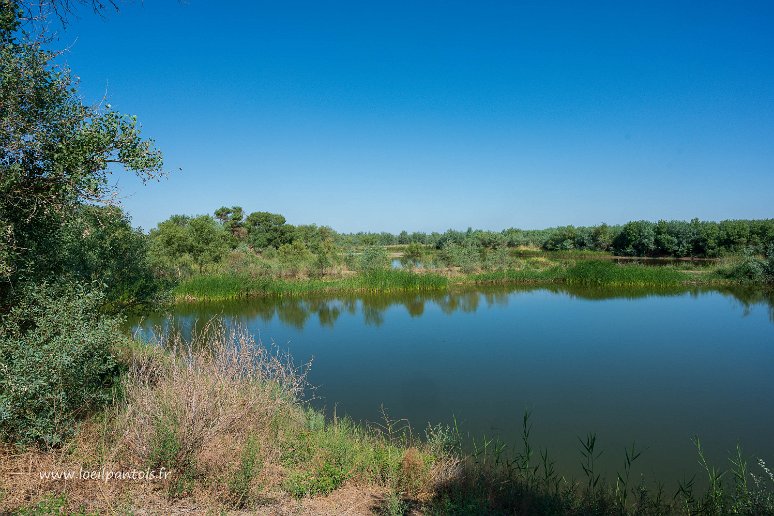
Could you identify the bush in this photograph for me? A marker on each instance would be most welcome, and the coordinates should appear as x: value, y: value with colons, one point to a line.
x: 413, y: 255
x: 373, y: 259
x: 56, y: 364
x: 467, y: 256
x: 752, y: 269
x: 100, y: 245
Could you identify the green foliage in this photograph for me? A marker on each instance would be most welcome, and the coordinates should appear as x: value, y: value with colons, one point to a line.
x: 235, y: 286
x: 165, y: 447
x: 394, y: 505
x: 639, y: 238
x: 320, y: 481
x: 54, y: 155
x: 266, y: 229
x: 207, y: 240
x: 240, y: 486
x: 293, y: 256
x: 752, y: 268
x: 561, y: 239
x: 53, y: 504
x: 55, y: 363
x: 602, y: 237
x: 597, y: 272
x: 100, y: 247
x: 232, y: 220
x: 636, y: 239
x: 324, y: 454
x: 466, y: 256
x: 373, y: 258
x: 388, y: 279
x: 413, y: 255
x: 497, y: 259
x: 166, y: 450
x: 180, y: 244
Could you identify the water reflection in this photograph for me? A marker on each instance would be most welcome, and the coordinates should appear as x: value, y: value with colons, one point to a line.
x: 656, y: 366
x: 298, y: 312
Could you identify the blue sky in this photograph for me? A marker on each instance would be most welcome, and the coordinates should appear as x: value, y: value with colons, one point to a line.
x: 435, y: 115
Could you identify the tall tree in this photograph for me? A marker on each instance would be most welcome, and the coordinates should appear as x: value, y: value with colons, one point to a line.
x: 56, y: 153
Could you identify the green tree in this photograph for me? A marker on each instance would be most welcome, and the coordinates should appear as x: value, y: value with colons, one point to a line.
x: 233, y: 221
x: 266, y: 229
x: 561, y: 239
x: 170, y: 246
x: 602, y: 237
x: 208, y: 241
x: 294, y: 256
x: 413, y: 255
x: 101, y: 247
x: 636, y: 238
x: 373, y: 258
x: 56, y: 153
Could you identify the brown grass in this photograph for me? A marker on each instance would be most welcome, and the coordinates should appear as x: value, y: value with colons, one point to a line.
x: 223, y: 415
x: 191, y: 409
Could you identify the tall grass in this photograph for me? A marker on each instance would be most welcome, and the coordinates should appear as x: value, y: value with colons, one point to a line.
x: 607, y: 273
x: 224, y: 287
x: 531, y: 271
x: 526, y: 275
x: 589, y: 272
x: 225, y: 416
x: 499, y: 479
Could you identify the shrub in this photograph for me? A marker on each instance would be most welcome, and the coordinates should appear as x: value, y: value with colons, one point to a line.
x: 56, y: 364
x: 413, y: 255
x: 752, y: 269
x: 250, y: 464
x: 186, y: 413
x: 467, y: 256
x: 373, y: 258
x: 294, y: 257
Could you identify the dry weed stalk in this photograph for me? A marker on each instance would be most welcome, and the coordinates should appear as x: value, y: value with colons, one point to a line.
x: 219, y: 383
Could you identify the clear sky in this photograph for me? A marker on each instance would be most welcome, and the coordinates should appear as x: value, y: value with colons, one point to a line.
x: 429, y: 115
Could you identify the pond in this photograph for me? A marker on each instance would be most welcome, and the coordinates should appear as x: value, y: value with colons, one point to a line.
x: 650, y: 366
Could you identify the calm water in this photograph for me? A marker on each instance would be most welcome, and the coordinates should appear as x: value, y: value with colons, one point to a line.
x: 655, y: 367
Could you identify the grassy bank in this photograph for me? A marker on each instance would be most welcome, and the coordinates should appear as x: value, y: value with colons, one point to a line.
x: 602, y: 273
x: 532, y: 272
x: 228, y: 425
x: 225, y: 286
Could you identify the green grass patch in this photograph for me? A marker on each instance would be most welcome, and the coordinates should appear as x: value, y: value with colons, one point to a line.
x: 225, y: 286
x: 324, y: 454
x: 532, y: 271
x: 550, y: 274
x: 598, y: 272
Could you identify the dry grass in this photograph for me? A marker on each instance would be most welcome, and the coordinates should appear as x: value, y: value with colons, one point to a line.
x: 223, y: 416
x: 208, y: 411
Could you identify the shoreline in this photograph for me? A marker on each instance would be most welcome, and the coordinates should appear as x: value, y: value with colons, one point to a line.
x: 224, y: 286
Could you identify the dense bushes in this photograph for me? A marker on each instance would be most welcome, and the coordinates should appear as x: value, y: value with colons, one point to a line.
x: 55, y: 151
x: 182, y: 246
x: 55, y: 363
x: 100, y: 246
x: 751, y: 268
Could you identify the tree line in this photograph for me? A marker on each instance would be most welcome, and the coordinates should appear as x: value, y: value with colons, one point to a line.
x: 674, y: 238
